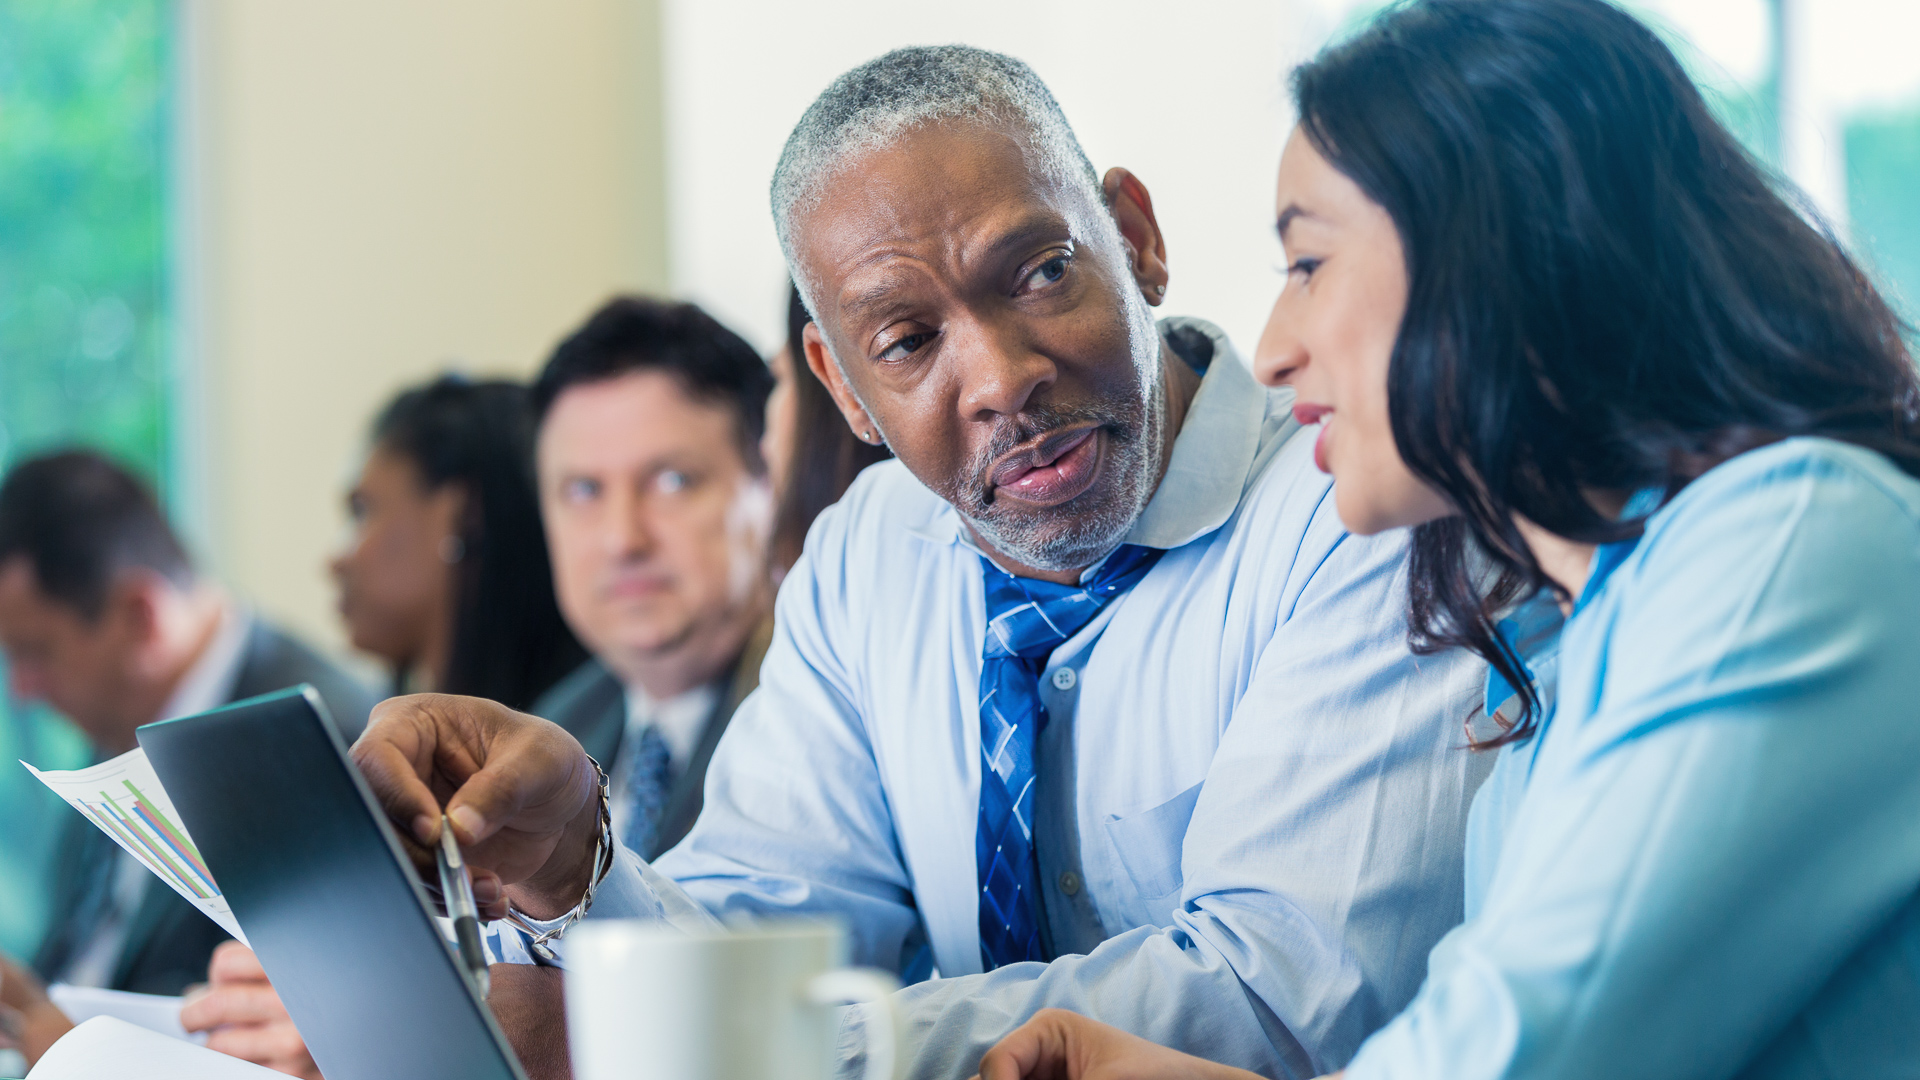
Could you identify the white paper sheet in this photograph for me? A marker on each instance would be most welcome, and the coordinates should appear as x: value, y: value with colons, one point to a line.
x: 124, y: 799
x: 104, y: 1048
x: 154, y: 1012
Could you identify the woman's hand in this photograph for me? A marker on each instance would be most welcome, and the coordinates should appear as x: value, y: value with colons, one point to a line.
x: 1059, y: 1045
x: 242, y: 1015
x: 29, y: 1020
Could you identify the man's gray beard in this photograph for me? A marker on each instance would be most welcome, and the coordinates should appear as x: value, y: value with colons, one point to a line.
x: 1135, y: 434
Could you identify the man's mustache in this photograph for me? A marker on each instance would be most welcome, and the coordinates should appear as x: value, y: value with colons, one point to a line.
x: 1029, y: 424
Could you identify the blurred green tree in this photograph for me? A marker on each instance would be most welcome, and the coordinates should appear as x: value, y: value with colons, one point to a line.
x: 83, y: 155
x: 83, y: 282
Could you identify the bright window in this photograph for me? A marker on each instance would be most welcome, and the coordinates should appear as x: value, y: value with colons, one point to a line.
x: 83, y: 197
x: 1827, y: 92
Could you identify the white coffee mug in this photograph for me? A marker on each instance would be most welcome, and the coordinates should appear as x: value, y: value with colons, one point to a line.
x: 646, y: 1001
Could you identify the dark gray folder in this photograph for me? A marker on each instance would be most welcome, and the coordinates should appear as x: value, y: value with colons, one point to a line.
x: 319, y: 882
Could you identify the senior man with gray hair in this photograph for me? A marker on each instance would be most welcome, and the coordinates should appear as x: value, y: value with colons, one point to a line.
x: 1087, y: 700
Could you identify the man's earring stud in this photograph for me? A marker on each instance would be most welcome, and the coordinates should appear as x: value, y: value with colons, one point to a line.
x: 1159, y: 290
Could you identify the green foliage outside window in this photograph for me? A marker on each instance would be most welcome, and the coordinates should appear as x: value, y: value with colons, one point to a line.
x: 83, y: 90
x: 83, y: 166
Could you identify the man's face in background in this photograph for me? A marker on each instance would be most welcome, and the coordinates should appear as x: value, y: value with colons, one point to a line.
x: 657, y: 523
x: 81, y: 667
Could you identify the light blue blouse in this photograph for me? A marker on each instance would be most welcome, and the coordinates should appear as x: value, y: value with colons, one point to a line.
x: 1707, y: 864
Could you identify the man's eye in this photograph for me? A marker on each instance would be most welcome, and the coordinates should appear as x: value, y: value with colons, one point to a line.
x: 671, y: 481
x: 1046, y: 273
x: 579, y: 490
x: 904, y: 347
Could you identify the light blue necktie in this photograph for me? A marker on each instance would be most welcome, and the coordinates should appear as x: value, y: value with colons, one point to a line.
x: 648, y: 780
x: 1026, y: 620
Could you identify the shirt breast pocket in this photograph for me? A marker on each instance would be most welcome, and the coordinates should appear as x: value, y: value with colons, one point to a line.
x: 1148, y: 845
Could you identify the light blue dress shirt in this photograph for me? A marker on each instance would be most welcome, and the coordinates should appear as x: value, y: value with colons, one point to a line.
x: 1253, y: 804
x: 1707, y: 864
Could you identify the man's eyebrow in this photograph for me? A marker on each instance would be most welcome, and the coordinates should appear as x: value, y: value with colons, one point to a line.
x: 868, y: 299
x: 1046, y: 226
x: 877, y: 297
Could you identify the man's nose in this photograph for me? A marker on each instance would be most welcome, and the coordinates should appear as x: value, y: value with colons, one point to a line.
x: 1280, y: 354
x: 630, y: 528
x: 1002, y: 373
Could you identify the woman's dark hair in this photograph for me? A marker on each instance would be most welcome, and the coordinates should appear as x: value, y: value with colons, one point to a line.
x: 509, y: 641
x: 826, y: 455
x: 1605, y: 292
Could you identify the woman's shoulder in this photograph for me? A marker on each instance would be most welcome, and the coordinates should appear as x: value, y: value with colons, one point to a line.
x: 1823, y: 487
x: 1800, y: 525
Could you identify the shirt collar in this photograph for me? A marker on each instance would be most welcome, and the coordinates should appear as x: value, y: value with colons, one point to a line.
x: 1531, y: 632
x: 1212, y: 455
x: 1214, y: 452
x: 1608, y: 557
x: 209, y: 683
x: 680, y: 718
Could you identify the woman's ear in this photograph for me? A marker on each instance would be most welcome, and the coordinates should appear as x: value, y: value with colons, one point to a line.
x: 455, y: 514
x: 820, y: 362
x: 1132, y: 210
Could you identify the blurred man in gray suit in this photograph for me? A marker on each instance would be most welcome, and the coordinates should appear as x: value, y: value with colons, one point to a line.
x: 657, y: 508
x: 103, y: 617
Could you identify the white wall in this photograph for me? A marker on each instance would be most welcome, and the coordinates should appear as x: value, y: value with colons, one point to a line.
x: 1191, y: 97
x: 382, y: 189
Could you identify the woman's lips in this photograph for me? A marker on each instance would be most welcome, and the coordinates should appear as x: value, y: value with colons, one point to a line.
x: 1322, y: 415
x: 1056, y: 470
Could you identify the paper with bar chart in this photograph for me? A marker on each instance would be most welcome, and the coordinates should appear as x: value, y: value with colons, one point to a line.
x: 124, y: 799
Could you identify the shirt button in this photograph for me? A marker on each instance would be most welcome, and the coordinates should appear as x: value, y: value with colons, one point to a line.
x: 1069, y: 882
x: 1064, y: 678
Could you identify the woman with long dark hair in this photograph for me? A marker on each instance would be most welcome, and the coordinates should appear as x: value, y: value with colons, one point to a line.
x: 1658, y: 438
x: 446, y: 577
x: 812, y: 455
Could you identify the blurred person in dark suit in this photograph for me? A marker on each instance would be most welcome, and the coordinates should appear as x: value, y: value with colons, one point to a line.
x: 446, y: 576
x: 659, y: 454
x: 104, y: 617
x: 657, y: 507
x: 811, y: 453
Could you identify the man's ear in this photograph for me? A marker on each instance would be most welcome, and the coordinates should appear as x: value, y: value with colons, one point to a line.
x: 1132, y: 210
x: 133, y: 603
x: 828, y: 372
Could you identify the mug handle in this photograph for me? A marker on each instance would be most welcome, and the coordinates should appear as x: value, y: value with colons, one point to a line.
x: 874, y: 988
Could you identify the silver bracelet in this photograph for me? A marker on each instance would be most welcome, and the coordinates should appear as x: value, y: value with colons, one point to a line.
x: 603, y: 854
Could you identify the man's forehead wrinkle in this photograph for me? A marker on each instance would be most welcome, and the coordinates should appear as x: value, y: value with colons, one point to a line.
x: 891, y: 233
x: 875, y: 277
x: 974, y: 161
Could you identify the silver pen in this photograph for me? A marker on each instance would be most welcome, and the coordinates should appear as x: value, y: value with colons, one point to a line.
x: 456, y: 888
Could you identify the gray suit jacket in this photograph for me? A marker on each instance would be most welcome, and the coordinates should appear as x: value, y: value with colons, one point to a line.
x: 169, y: 942
x: 592, y: 705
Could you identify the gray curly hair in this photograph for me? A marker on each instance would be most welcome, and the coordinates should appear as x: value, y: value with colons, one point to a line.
x: 883, y: 99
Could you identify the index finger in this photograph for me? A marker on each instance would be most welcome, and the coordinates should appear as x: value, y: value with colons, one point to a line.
x: 396, y: 756
x: 233, y: 962
x: 235, y: 1003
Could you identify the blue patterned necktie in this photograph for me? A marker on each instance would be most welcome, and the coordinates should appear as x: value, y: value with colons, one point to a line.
x: 648, y: 779
x: 1026, y: 620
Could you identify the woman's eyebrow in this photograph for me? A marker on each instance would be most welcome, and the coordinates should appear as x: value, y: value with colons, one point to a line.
x: 1287, y: 217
